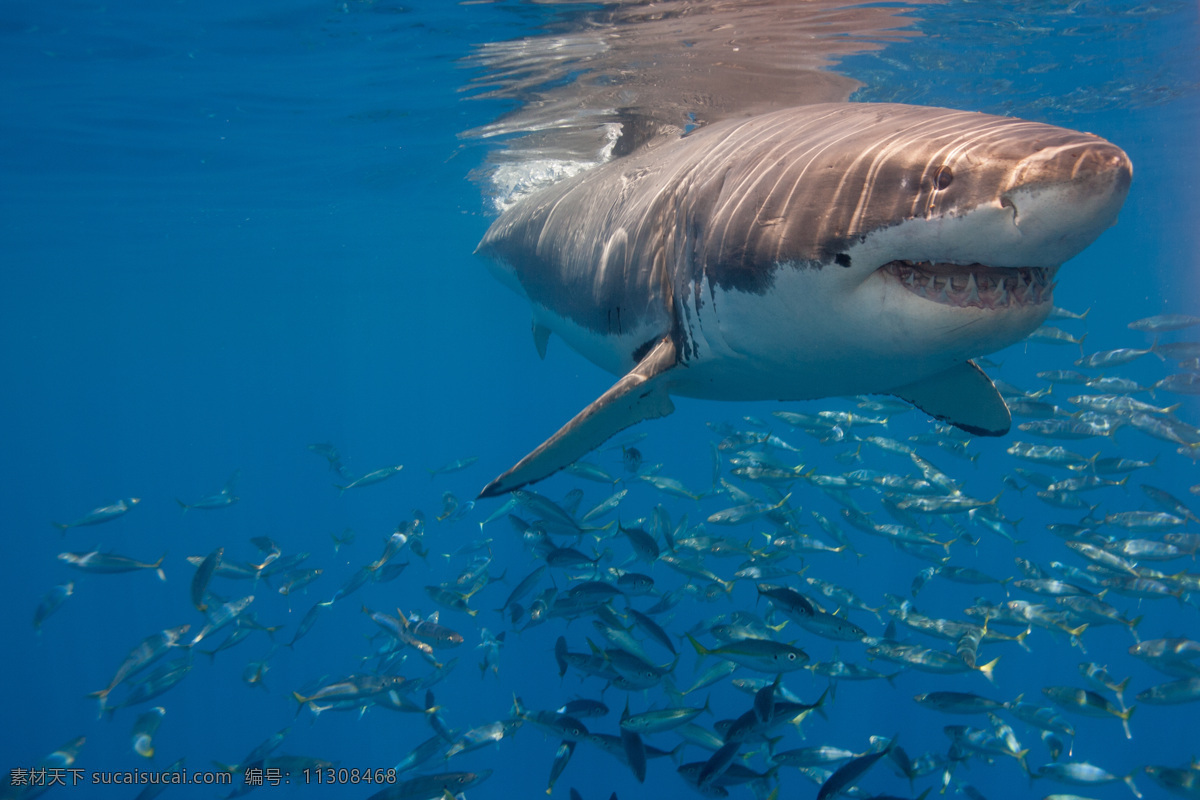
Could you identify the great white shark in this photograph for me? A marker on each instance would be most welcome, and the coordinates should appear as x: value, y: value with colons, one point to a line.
x: 828, y: 249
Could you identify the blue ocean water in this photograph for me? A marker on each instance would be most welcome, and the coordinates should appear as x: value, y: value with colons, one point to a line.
x: 231, y: 230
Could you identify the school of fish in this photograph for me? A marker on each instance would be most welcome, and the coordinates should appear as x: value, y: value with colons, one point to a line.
x: 708, y: 630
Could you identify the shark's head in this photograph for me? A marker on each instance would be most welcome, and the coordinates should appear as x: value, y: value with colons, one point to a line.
x: 935, y: 233
x: 985, y: 215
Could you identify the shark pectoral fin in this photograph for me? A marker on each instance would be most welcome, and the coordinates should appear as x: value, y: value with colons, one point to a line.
x: 963, y: 396
x: 641, y: 394
x: 541, y: 337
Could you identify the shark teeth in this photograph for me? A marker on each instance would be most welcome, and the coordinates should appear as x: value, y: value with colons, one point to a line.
x: 974, y: 285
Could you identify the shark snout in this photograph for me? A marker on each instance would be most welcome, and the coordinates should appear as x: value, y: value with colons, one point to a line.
x: 1103, y: 170
x: 1094, y: 167
x: 1062, y: 197
x: 1098, y: 161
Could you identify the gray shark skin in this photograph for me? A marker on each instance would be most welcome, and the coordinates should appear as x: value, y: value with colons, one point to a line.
x: 828, y: 249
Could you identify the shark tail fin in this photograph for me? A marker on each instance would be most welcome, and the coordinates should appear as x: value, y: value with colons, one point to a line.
x: 639, y: 395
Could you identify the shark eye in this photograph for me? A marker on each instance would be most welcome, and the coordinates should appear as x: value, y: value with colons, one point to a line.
x: 943, y: 178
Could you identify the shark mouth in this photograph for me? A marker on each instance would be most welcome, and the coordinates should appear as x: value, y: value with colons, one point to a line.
x: 974, y: 285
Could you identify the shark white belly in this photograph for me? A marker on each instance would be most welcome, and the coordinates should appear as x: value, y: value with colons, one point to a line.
x: 823, y: 250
